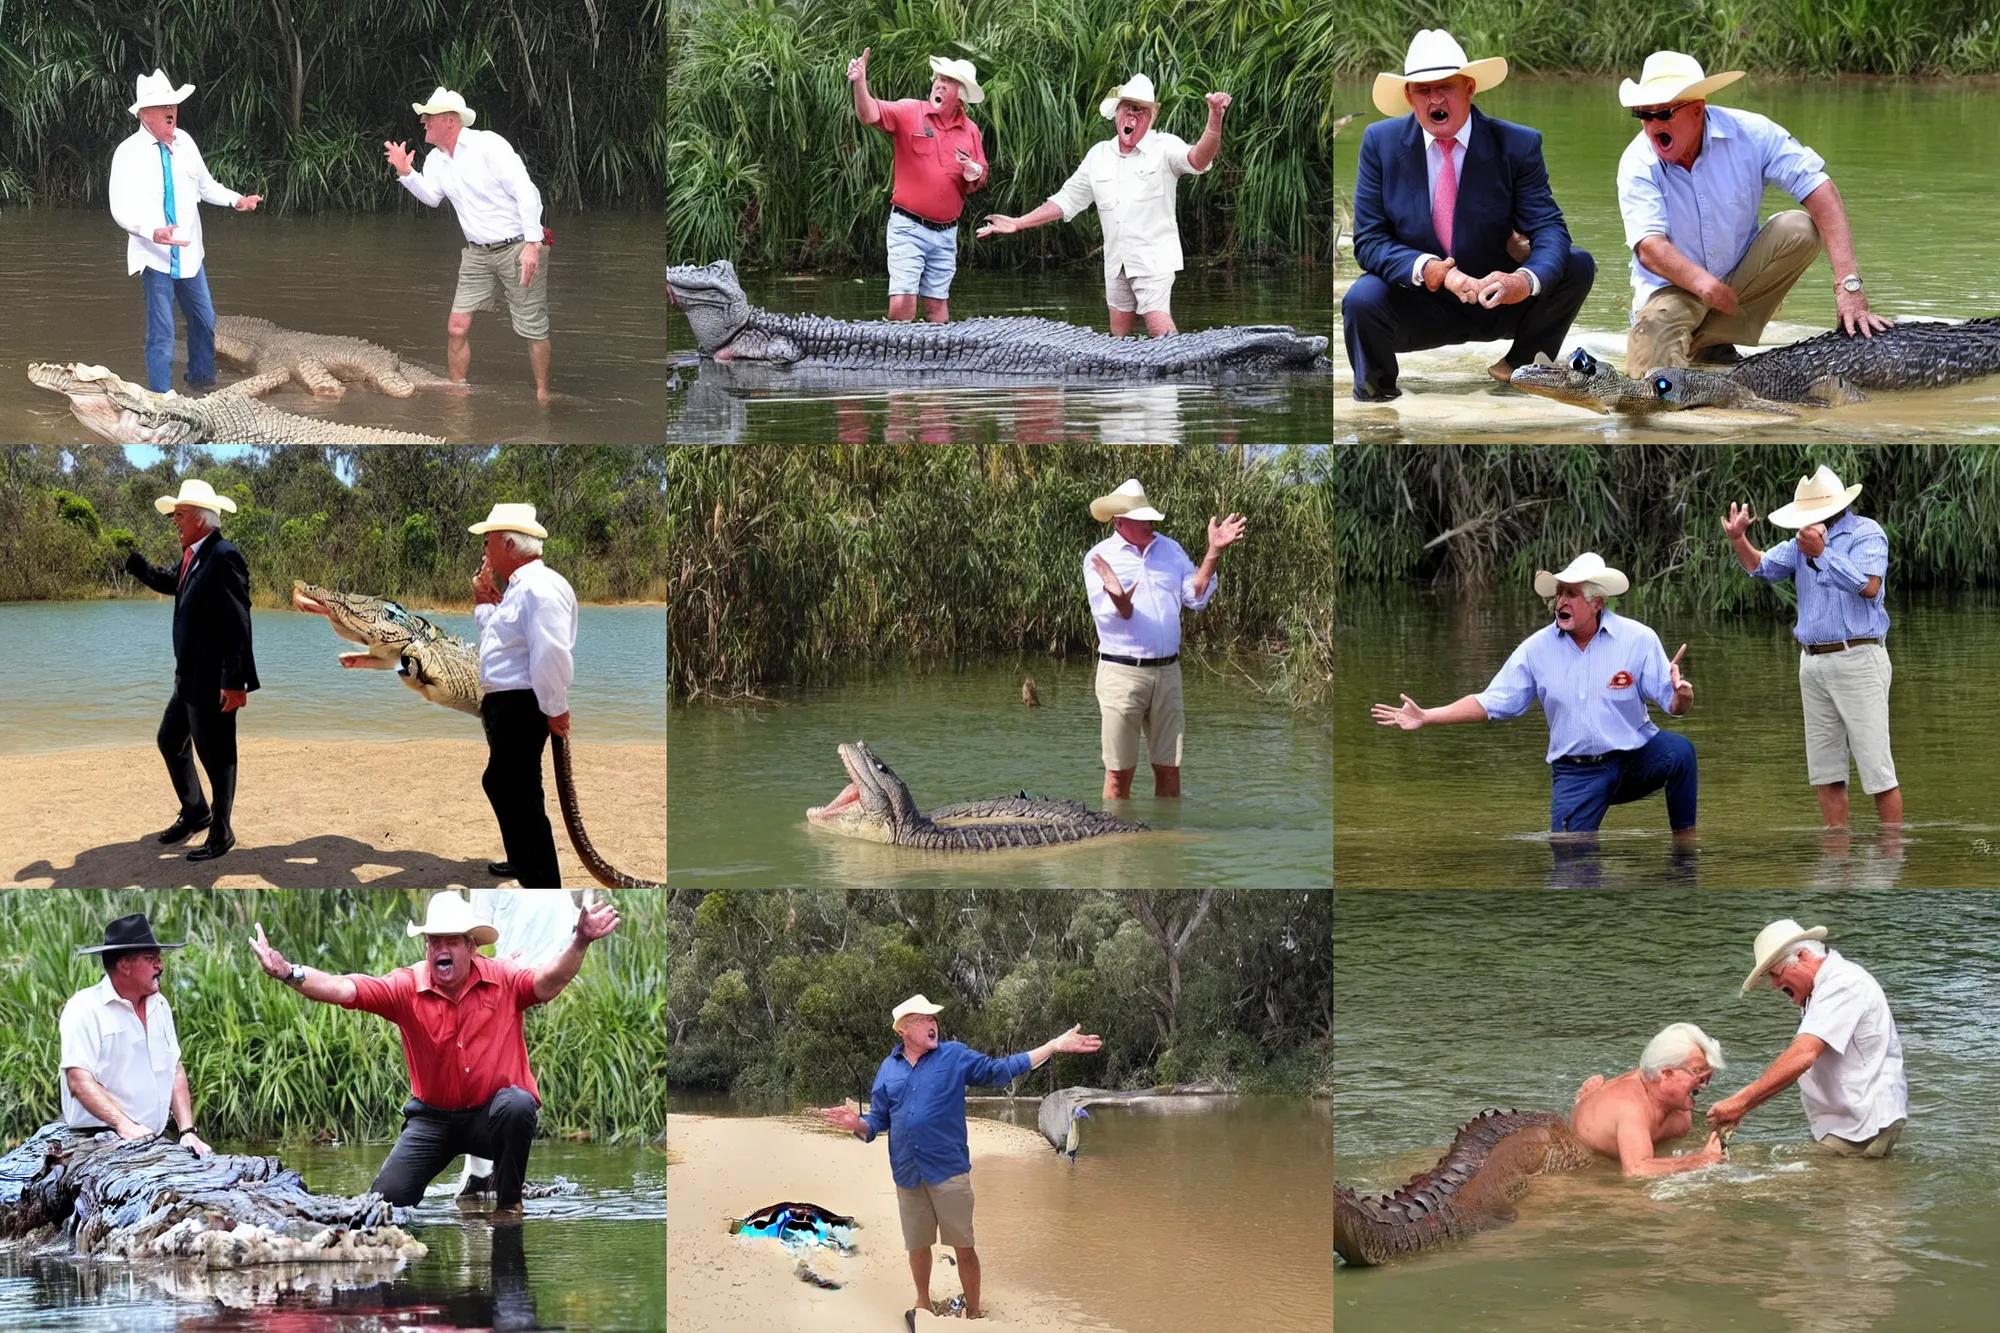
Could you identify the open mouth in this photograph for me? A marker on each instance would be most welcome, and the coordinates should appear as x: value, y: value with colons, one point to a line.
x: 849, y: 795
x: 1562, y: 614
x: 1127, y: 130
x: 1663, y: 139
x: 1439, y: 115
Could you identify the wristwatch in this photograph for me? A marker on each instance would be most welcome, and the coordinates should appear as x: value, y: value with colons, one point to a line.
x: 1851, y: 283
x: 186, y: 1130
x: 297, y: 976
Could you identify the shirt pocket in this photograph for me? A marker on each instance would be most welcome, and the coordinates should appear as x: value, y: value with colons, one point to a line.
x: 924, y: 145
x: 1109, y: 186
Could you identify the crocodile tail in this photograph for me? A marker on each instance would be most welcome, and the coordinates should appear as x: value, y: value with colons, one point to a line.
x: 600, y: 870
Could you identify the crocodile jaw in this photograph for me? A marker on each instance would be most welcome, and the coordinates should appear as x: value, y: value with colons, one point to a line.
x: 848, y: 813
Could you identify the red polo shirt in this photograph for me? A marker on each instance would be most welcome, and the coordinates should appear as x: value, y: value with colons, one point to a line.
x: 928, y: 180
x: 460, y: 1052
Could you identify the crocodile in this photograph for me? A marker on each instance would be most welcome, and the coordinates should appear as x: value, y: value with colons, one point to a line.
x: 445, y: 670
x: 996, y: 348
x: 876, y: 805
x: 1828, y: 370
x: 317, y: 362
x: 126, y: 413
x: 1472, y: 1187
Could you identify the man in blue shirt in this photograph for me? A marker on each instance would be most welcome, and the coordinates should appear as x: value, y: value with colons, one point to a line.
x: 1592, y: 671
x: 1839, y: 566
x: 919, y: 1094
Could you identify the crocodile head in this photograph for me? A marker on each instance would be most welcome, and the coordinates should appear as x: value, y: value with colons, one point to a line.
x: 437, y: 665
x: 121, y: 412
x: 874, y: 804
x: 713, y: 301
x: 1582, y: 380
x: 1678, y: 388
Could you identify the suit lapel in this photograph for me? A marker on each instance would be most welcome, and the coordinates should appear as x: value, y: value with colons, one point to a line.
x: 1478, y: 153
x: 1416, y: 153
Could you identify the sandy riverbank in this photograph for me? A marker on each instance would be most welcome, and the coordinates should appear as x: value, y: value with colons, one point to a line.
x: 314, y: 815
x: 718, y: 1283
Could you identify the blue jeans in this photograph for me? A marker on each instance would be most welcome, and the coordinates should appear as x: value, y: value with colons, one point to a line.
x: 1582, y: 793
x: 922, y: 262
x: 193, y: 293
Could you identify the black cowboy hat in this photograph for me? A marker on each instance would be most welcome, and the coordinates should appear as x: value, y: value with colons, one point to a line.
x: 128, y: 932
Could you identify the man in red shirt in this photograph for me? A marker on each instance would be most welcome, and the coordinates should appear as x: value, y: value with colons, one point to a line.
x: 471, y: 1090
x: 939, y: 160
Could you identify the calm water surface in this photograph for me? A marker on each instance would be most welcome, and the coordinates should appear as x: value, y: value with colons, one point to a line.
x: 594, y: 1260
x: 76, y: 674
x: 1914, y: 164
x: 1449, y: 1003
x: 383, y: 277
x: 1759, y: 819
x: 1255, y: 779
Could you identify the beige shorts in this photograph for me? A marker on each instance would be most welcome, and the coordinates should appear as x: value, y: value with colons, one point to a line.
x: 1140, y: 701
x: 1846, y: 697
x: 931, y: 1212
x: 1878, y: 1146
x: 488, y: 277
x: 1138, y: 296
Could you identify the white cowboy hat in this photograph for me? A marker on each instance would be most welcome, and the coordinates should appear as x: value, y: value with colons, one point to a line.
x: 156, y: 89
x: 1670, y: 77
x: 916, y: 1004
x: 195, y: 491
x: 443, y: 100
x: 964, y: 75
x: 1138, y: 88
x: 1586, y: 568
x: 449, y: 914
x: 1433, y: 57
x: 510, y: 518
x: 1128, y: 501
x: 1819, y: 496
x: 1773, y: 942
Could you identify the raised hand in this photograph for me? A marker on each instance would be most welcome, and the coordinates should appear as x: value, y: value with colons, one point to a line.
x: 843, y: 1117
x: 268, y: 958
x: 596, y: 921
x: 1683, y: 687
x: 398, y: 155
x: 1108, y: 575
x: 1218, y: 104
x: 857, y: 68
x: 1225, y: 533
x: 1077, y: 1042
x: 1409, y: 717
x: 1812, y: 540
x: 1738, y: 522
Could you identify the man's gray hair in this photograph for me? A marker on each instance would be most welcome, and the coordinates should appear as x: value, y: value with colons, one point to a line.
x: 522, y: 543
x: 211, y: 518
x: 1810, y: 948
x: 1676, y: 1044
x: 1593, y: 590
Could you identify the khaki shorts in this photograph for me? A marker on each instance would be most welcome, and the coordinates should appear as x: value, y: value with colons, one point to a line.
x: 933, y: 1211
x: 1846, y: 697
x: 1138, y: 296
x: 487, y: 277
x: 1876, y: 1147
x: 1140, y: 701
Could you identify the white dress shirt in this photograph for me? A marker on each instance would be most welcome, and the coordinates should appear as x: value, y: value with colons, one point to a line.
x: 1161, y: 582
x: 525, y: 642
x: 133, y: 1061
x: 139, y: 200
x: 535, y: 924
x: 1856, y: 1087
x: 1134, y: 194
x: 487, y: 184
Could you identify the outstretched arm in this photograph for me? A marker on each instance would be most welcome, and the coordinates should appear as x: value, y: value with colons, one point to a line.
x: 1073, y: 1042
x: 593, y: 923
x: 317, y: 985
x: 1784, y: 1071
x: 1209, y: 144
x: 1413, y: 714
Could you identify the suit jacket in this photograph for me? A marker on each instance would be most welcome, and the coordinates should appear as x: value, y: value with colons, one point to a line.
x: 211, y: 618
x: 1503, y: 188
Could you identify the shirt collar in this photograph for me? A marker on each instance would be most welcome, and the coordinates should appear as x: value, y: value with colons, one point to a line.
x: 1604, y: 622
x: 944, y: 122
x: 1463, y: 138
x: 1841, y: 523
x: 203, y: 541
x: 482, y: 971
x: 108, y: 994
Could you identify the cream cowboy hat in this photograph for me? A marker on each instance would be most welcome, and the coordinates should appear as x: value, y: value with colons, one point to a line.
x: 1817, y: 497
x: 156, y: 89
x: 443, y: 100
x: 195, y: 491
x: 1138, y: 88
x: 449, y: 914
x: 1586, y: 568
x: 964, y: 75
x: 1670, y: 76
x: 1434, y: 56
x: 1128, y: 501
x: 510, y: 518
x: 1773, y: 941
x: 916, y: 1004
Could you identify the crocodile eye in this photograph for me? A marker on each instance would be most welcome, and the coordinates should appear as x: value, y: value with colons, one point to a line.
x: 1582, y: 361
x: 1661, y: 384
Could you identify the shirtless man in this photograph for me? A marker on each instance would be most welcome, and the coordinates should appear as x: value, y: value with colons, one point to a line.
x: 1629, y: 1116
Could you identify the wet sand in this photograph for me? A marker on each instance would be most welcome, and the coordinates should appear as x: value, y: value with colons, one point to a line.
x: 717, y: 1282
x: 314, y: 815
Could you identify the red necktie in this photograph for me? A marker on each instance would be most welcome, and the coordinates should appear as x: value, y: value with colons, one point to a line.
x: 187, y: 563
x: 1445, y: 201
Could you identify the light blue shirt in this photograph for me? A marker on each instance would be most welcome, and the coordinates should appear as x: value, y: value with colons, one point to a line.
x: 1595, y: 700
x: 1709, y: 213
x: 1831, y: 607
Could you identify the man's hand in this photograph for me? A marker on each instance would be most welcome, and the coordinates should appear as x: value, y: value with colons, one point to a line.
x: 165, y: 236
x: 1225, y: 533
x: 234, y: 699
x: 559, y: 725
x: 484, y: 589
x: 132, y: 1131
x: 1739, y: 521
x: 1812, y: 540
x: 247, y: 204
x: 1718, y: 295
x: 1519, y: 247
x: 1711, y: 1150
x: 192, y: 1141
x: 1409, y: 717
x: 1855, y: 316
x: 270, y: 959
x: 1218, y: 106
x: 842, y: 1117
x: 1112, y: 586
x: 1462, y: 285
x: 1076, y: 1042
x: 398, y: 155
x: 1436, y: 271
x: 531, y: 261
x: 1498, y: 289
x: 967, y: 167
x: 999, y: 224
x: 1727, y: 1112
x: 857, y: 68
x: 596, y: 921
x: 1683, y: 688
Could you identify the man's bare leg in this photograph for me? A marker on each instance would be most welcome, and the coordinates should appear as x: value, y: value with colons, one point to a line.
x: 1118, y: 783
x: 920, y: 1269
x: 1889, y: 806
x: 538, y: 361
x: 1833, y: 804
x: 903, y: 306
x: 1166, y: 780
x: 937, y: 309
x: 1160, y: 324
x: 968, y: 1273
x: 458, y: 346
x: 1122, y: 322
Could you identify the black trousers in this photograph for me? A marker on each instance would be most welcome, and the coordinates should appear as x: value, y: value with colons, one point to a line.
x: 516, y: 732
x: 198, y: 726
x: 1381, y: 320
x: 503, y: 1129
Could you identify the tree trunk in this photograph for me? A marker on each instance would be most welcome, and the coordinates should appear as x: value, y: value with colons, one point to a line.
x: 1172, y: 937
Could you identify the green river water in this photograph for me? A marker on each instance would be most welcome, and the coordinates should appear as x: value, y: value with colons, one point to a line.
x: 1467, y: 806
x: 1449, y: 1003
x: 1914, y: 161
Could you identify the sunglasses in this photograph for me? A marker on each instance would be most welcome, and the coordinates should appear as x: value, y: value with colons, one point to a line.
x: 1640, y: 113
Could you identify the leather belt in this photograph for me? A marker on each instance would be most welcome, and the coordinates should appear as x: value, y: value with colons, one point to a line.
x: 1139, y: 662
x: 495, y: 245
x: 1841, y: 646
x: 923, y: 221
x: 1581, y: 759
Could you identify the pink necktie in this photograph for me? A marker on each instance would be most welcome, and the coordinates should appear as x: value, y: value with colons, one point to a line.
x: 187, y: 563
x: 1446, y: 198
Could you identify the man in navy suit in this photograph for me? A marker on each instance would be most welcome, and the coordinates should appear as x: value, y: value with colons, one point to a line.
x: 214, y: 670
x: 1455, y: 226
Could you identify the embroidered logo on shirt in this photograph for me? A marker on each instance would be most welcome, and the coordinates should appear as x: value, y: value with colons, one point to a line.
x: 1622, y: 681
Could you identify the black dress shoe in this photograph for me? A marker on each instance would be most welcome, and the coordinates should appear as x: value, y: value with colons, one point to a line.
x: 212, y: 850
x: 182, y: 828
x: 500, y: 870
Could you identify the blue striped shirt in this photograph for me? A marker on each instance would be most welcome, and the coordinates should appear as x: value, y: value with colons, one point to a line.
x: 1831, y: 607
x: 923, y: 1107
x: 1595, y: 700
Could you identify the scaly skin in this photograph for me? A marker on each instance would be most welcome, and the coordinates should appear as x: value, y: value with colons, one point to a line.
x: 316, y: 362
x: 126, y: 413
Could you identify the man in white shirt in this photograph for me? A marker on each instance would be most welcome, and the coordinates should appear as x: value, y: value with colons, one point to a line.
x: 1138, y: 581
x: 500, y: 211
x: 526, y: 641
x: 121, y: 1058
x: 1847, y: 1058
x: 1131, y: 178
x: 158, y: 182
